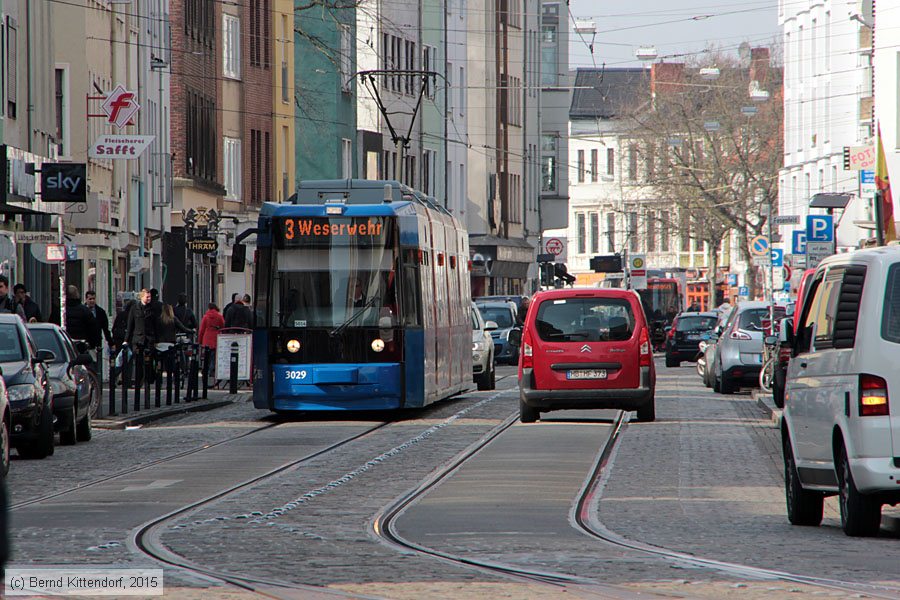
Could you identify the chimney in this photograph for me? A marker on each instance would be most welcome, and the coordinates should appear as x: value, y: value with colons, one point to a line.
x: 664, y: 75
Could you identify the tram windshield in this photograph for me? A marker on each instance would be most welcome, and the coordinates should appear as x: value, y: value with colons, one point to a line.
x: 336, y: 281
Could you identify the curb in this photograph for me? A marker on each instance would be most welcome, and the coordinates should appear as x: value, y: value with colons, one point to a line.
x: 143, y: 419
x: 765, y: 402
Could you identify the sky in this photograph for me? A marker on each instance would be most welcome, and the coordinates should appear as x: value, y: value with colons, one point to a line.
x: 672, y: 26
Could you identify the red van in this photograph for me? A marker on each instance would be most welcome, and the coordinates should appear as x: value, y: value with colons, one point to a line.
x: 586, y: 348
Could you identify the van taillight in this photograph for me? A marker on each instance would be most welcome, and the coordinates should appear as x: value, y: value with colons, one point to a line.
x: 873, y: 396
x: 527, y: 351
x: 645, y: 357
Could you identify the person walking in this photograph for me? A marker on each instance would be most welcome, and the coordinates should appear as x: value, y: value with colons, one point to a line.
x: 141, y: 332
x: 90, y: 300
x: 7, y: 304
x: 240, y: 315
x: 234, y: 300
x: 80, y: 323
x: 29, y: 307
x: 167, y: 336
x: 210, y: 325
x: 120, y: 325
x: 184, y: 313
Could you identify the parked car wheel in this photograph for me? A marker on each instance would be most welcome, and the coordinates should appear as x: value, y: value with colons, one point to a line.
x: 726, y: 386
x: 778, y: 386
x: 672, y: 362
x: 527, y: 414
x: 647, y: 413
x: 487, y: 380
x: 803, y: 507
x: 4, y: 447
x: 84, y: 431
x: 860, y: 513
x: 67, y: 436
x: 42, y: 447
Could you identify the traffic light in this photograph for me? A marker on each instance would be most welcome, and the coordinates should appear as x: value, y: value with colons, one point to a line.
x: 561, y: 272
x: 608, y: 263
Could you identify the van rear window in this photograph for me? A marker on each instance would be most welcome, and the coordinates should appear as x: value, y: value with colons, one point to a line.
x: 890, y: 319
x: 585, y: 319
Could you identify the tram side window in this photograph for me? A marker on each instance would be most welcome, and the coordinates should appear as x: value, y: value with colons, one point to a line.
x: 410, y: 293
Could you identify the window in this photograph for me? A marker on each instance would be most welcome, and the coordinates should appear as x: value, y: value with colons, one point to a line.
x: 260, y: 42
x: 581, y: 166
x: 231, y: 47
x: 549, y: 44
x: 663, y: 232
x: 595, y: 165
x: 579, y: 220
x: 346, y: 158
x: 428, y: 65
x: 595, y: 233
x: 651, y: 232
x: 199, y: 22
x: 260, y: 173
x: 12, y: 68
x: 450, y: 201
x: 286, y: 35
x: 286, y: 146
x: 649, y: 162
x: 62, y: 109
x: 548, y: 163
x: 611, y: 232
x: 463, y: 195
x: 685, y: 231
x: 428, y: 172
x: 632, y: 162
x: 632, y: 232
x: 610, y: 162
x: 585, y: 319
x: 346, y: 56
x: 410, y: 65
x: 461, y: 87
x: 201, y: 145
x: 451, y: 98
x: 231, y: 165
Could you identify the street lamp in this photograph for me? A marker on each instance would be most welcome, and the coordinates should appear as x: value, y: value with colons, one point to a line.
x: 646, y: 53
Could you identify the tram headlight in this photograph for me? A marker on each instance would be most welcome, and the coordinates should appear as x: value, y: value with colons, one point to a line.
x: 378, y: 344
x: 293, y: 346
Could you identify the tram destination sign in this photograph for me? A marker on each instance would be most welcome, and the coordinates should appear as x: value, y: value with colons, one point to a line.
x: 202, y: 245
x: 333, y: 231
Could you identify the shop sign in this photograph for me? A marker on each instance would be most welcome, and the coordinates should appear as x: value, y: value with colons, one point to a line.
x: 203, y: 245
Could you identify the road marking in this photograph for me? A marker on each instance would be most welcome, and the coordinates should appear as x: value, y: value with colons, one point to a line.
x: 156, y: 484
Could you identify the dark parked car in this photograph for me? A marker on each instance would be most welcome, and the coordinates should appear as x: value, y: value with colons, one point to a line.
x: 683, y: 337
x: 519, y: 301
x: 4, y: 430
x: 28, y: 388
x: 70, y: 383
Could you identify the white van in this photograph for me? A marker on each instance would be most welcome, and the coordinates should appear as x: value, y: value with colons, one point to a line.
x: 839, y: 435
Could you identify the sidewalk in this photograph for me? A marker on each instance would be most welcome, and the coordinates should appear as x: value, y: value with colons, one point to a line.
x: 767, y: 403
x: 216, y: 399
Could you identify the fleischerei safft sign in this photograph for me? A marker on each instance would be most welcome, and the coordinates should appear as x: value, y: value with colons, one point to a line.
x: 120, y: 147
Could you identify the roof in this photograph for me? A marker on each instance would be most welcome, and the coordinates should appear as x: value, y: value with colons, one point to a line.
x: 604, y: 93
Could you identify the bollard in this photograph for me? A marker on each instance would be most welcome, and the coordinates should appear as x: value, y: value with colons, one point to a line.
x: 148, y: 371
x: 168, y: 387
x: 177, y: 371
x: 158, y: 378
x: 233, y: 366
x: 139, y: 376
x: 193, y: 374
x: 112, y: 387
x: 126, y: 383
x: 207, y: 356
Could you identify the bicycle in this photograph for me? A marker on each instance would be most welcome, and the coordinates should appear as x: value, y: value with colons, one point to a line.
x: 769, y: 359
x: 93, y: 375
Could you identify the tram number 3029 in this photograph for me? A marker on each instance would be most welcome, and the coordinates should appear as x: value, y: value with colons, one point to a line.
x: 295, y: 374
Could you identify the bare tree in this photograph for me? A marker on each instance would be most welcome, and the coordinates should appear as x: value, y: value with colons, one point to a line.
x: 711, y: 152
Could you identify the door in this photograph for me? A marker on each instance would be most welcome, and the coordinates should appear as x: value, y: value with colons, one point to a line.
x: 586, y: 342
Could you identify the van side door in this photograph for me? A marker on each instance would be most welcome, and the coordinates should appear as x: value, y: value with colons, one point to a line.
x: 800, y: 385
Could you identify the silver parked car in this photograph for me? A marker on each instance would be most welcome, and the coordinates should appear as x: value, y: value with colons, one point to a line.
x: 739, y: 348
x: 484, y: 371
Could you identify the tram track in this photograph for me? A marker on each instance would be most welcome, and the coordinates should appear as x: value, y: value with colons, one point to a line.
x: 584, y: 517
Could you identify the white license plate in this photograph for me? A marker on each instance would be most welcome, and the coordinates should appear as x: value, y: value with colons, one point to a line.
x: 693, y: 336
x: 586, y: 374
x: 757, y: 358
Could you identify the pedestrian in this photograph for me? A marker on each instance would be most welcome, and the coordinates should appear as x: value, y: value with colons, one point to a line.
x: 240, y: 315
x: 90, y: 300
x: 184, y: 313
x: 228, y: 307
x: 7, y: 304
x: 210, y: 325
x: 120, y: 325
x: 155, y: 303
x: 80, y: 322
x: 29, y: 307
x: 169, y: 325
x: 141, y: 332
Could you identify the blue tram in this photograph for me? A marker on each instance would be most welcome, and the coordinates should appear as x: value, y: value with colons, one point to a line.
x: 362, y: 300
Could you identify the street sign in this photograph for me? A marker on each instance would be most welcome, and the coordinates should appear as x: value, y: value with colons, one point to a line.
x: 819, y: 228
x: 867, y: 176
x: 202, y: 245
x: 818, y: 251
x: 554, y: 246
x: 777, y: 257
x: 759, y: 245
x: 787, y: 220
x: 857, y: 158
x: 778, y: 279
x: 56, y: 253
x: 120, y: 106
x: 731, y: 279
x: 762, y: 261
x: 120, y: 147
x: 798, y: 245
x: 744, y: 291
x: 637, y: 264
x: 36, y: 237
